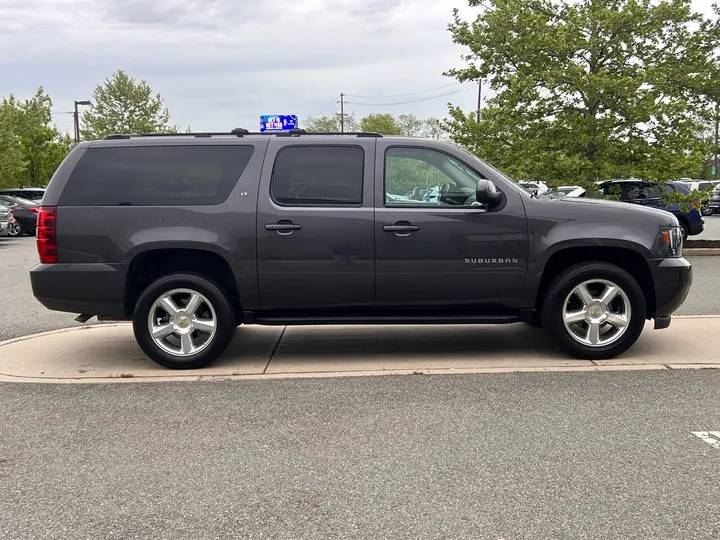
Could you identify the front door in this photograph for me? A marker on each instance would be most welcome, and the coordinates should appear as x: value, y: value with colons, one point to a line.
x: 442, y: 250
x: 315, y: 240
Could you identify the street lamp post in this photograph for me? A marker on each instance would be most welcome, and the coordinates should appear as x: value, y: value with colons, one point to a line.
x: 77, y: 118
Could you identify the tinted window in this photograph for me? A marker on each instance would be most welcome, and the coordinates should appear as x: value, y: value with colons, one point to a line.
x: 156, y: 175
x: 318, y: 175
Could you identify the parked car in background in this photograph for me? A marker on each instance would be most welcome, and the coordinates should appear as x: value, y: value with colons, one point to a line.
x: 565, y: 191
x: 713, y: 204
x: 28, y: 193
x: 539, y: 188
x: 650, y: 194
x: 25, y: 213
x: 5, y: 219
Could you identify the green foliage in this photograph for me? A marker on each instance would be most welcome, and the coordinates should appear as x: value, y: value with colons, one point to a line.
x: 695, y: 199
x: 330, y: 123
x: 123, y: 105
x: 12, y: 161
x: 385, y: 124
x: 31, y: 148
x: 589, y: 89
x: 408, y: 125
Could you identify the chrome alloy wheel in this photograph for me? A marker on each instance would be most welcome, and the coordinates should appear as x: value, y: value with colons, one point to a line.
x: 182, y: 322
x: 597, y: 313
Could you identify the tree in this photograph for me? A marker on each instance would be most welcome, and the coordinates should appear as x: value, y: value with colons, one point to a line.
x: 12, y: 161
x: 331, y: 124
x: 588, y: 89
x: 123, y: 105
x: 41, y: 146
x: 385, y: 124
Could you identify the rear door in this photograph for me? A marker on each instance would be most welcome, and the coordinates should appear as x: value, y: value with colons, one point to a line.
x: 315, y: 239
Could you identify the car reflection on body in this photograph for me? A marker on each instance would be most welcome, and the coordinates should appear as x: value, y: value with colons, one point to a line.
x: 564, y: 191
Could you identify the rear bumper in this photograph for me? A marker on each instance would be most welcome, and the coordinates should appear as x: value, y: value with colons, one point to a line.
x: 93, y: 289
x: 4, y: 228
x: 672, y: 279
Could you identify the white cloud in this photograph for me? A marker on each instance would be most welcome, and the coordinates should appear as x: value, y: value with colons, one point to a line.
x: 222, y: 63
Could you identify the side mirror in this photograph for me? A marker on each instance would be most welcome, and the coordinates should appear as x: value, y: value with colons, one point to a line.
x: 486, y: 193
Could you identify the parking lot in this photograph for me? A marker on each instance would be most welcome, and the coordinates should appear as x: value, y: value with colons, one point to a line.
x: 493, y: 455
x: 24, y: 315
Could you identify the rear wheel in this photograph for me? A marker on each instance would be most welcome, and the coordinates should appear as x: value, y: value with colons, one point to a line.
x: 16, y: 229
x: 183, y: 321
x: 594, y: 311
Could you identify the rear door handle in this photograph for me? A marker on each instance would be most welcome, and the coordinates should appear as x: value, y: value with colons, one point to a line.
x: 286, y: 227
x: 401, y: 228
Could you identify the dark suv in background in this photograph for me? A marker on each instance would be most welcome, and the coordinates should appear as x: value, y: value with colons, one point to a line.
x: 191, y: 235
x: 650, y: 194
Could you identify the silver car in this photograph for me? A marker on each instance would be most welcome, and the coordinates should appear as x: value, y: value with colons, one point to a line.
x: 4, y: 221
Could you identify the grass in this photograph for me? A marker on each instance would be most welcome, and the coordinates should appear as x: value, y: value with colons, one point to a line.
x: 127, y: 375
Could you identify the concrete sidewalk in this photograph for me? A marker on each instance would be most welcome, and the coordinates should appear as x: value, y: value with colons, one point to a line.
x: 108, y: 352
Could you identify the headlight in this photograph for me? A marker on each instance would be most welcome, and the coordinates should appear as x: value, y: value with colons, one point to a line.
x: 671, y: 239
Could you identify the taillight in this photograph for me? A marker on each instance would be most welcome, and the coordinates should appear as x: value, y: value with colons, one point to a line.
x: 45, y: 234
x: 33, y: 209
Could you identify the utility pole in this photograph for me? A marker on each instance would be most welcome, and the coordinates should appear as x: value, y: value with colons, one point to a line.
x: 477, y: 116
x: 342, y: 113
x: 717, y: 124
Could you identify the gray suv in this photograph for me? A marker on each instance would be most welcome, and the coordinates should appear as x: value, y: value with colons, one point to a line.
x: 192, y: 235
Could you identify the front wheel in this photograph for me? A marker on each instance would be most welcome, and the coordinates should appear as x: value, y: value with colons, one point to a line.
x: 706, y: 211
x: 183, y: 321
x: 594, y: 311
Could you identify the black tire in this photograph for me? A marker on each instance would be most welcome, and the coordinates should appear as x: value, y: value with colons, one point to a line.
x: 685, y: 229
x: 224, y: 312
x: 552, y: 311
x: 17, y: 231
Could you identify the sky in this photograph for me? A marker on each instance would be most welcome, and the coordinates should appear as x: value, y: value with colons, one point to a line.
x: 220, y: 64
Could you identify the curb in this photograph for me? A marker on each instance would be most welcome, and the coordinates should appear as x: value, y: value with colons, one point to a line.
x: 700, y: 252
x: 358, y: 373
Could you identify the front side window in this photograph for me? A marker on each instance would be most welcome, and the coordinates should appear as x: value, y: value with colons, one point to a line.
x: 419, y: 176
x: 318, y: 176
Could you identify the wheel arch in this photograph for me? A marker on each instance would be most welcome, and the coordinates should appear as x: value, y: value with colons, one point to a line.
x: 628, y: 259
x: 148, y: 265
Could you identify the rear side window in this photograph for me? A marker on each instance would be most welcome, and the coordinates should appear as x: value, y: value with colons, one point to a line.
x: 318, y: 176
x: 156, y: 175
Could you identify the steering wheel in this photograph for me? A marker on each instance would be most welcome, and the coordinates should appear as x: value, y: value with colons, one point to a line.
x: 442, y: 196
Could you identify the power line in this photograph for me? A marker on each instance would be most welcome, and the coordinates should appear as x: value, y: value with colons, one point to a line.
x: 414, y: 100
x: 328, y: 106
x: 408, y: 94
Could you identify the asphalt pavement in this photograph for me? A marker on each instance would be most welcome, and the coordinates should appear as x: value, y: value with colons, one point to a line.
x: 511, y: 456
x: 21, y: 314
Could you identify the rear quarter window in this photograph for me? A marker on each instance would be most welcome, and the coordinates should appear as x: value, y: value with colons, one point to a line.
x: 156, y: 175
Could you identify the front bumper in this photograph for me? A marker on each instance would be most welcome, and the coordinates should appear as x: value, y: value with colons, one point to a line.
x: 672, y: 279
x: 4, y: 228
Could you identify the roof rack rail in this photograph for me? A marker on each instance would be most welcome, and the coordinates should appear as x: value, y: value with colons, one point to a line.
x: 240, y: 132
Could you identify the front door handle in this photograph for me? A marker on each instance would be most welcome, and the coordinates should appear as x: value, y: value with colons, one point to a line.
x: 401, y: 228
x: 283, y: 227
